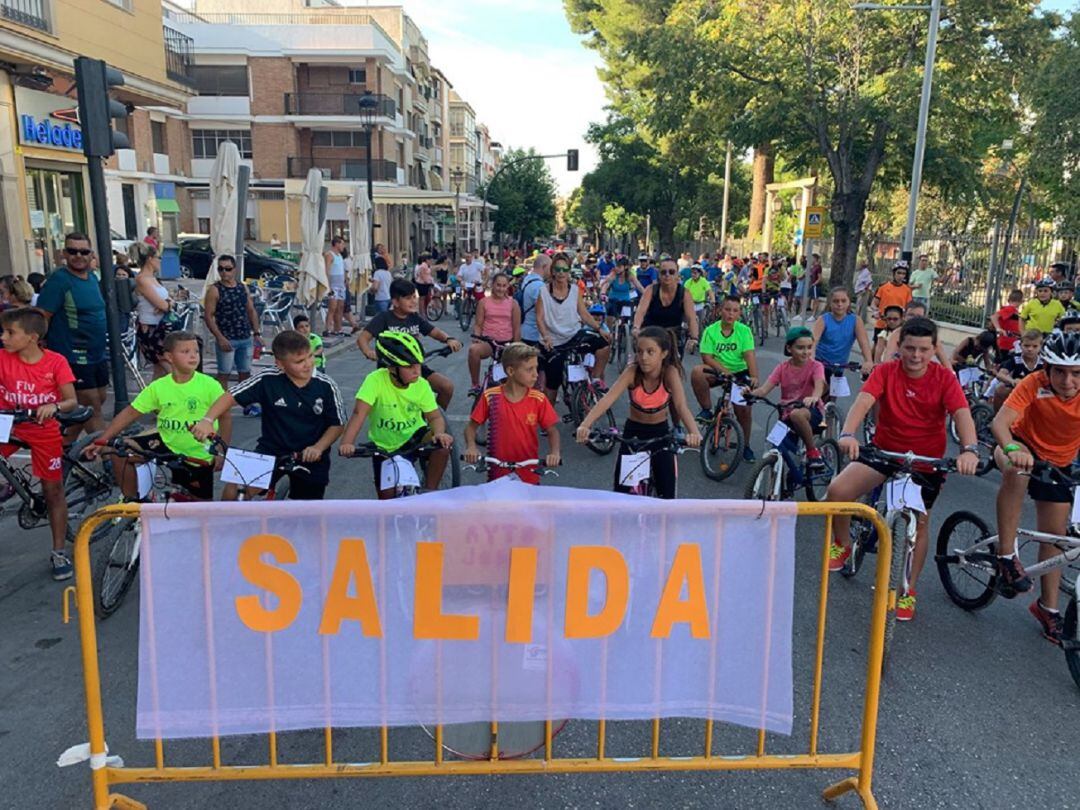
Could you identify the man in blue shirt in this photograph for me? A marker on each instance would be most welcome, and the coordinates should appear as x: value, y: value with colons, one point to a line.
x: 606, y: 264
x: 75, y: 308
x: 646, y: 273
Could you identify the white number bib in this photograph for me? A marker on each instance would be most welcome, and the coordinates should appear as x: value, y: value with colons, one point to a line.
x: 248, y: 468
x: 838, y: 387
x: 576, y: 374
x: 498, y: 373
x: 625, y: 312
x: 633, y: 469
x: 902, y: 492
x: 398, y: 472
x: 967, y: 376
x: 7, y: 421
x: 737, y: 397
x: 1076, y: 507
x: 778, y: 433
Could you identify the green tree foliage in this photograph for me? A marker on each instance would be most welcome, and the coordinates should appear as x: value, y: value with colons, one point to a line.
x: 525, y: 194
x: 621, y: 222
x: 835, y: 90
x: 585, y: 212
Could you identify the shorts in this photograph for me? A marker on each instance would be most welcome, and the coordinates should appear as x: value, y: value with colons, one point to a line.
x: 663, y: 467
x: 151, y: 340
x: 303, y: 486
x: 1048, y: 493
x: 420, y: 437
x: 238, y: 360
x: 91, y: 375
x: 198, y: 479
x: 931, y: 483
x: 816, y: 415
x: 614, y: 308
x: 382, y: 306
x: 424, y: 290
x: 741, y: 377
x: 442, y: 276
x: 337, y: 290
x: 46, y: 449
x: 553, y: 364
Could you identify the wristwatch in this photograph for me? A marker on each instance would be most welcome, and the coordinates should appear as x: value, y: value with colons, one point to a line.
x: 971, y: 448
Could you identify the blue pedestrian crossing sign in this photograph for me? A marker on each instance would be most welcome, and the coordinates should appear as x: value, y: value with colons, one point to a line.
x: 815, y: 221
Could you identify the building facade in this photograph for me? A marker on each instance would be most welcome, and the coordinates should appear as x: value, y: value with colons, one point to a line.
x: 43, y: 181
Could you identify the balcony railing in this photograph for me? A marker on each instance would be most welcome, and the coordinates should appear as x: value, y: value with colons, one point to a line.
x: 338, y: 104
x: 344, y: 168
x: 31, y: 13
x: 178, y: 59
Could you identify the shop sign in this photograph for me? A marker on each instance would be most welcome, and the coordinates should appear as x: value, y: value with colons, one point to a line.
x: 47, y: 120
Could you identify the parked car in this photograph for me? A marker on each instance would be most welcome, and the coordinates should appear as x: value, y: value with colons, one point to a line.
x: 120, y: 244
x: 196, y: 255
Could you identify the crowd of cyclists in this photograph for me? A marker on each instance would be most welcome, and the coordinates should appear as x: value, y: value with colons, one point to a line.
x: 552, y: 320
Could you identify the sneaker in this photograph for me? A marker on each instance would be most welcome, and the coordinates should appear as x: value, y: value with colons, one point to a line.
x: 748, y: 455
x: 838, y: 555
x: 476, y: 391
x: 253, y: 410
x: 704, y: 415
x: 61, y: 566
x: 7, y: 490
x: 1011, y: 577
x: 815, y: 464
x: 905, y: 607
x: 1049, y: 619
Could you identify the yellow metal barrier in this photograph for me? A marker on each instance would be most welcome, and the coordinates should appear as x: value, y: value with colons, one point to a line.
x: 861, y: 761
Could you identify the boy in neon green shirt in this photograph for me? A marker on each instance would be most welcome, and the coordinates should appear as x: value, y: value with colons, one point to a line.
x: 302, y: 324
x: 1042, y: 311
x: 180, y: 399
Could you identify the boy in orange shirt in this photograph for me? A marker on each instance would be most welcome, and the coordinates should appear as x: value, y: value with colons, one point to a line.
x: 1039, y: 421
x: 895, y: 293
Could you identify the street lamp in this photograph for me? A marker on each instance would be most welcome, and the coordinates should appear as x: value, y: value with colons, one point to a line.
x: 924, y: 110
x: 457, y: 177
x: 368, y: 105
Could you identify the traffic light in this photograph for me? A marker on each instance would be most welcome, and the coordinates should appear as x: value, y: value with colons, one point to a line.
x: 93, y: 78
x: 571, y: 160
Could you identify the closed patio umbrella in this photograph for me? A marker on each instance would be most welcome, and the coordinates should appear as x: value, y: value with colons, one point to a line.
x: 311, y: 282
x: 223, y: 207
x: 359, y: 215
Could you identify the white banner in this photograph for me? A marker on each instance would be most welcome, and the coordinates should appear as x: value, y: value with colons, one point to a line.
x: 495, y: 602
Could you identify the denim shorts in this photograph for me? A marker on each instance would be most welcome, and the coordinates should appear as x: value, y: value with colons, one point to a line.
x: 382, y: 306
x: 238, y: 360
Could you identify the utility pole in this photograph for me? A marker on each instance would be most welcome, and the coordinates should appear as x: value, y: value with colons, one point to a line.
x: 727, y: 184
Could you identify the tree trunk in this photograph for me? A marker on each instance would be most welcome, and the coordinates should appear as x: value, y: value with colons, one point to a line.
x: 847, y: 212
x: 763, y: 175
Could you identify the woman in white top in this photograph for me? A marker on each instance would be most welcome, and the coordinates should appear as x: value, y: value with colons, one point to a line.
x: 560, y: 315
x: 152, y: 304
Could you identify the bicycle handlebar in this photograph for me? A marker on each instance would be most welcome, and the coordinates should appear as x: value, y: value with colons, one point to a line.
x: 667, y: 442
x: 537, y: 465
x: 288, y: 462
x: 119, y: 447
x: 905, y: 461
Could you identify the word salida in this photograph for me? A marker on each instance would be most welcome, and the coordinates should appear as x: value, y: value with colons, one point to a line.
x: 351, y: 593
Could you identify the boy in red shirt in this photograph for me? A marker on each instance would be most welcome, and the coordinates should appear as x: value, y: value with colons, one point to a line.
x: 515, y: 411
x: 914, y: 396
x: 35, y: 379
x: 1006, y: 322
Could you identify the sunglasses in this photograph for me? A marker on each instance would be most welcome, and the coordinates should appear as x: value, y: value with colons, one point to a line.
x: 560, y: 269
x: 669, y: 272
x: 224, y: 268
x: 78, y: 251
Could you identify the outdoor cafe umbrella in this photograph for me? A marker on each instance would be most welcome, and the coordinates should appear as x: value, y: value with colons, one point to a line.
x: 359, y: 213
x: 223, y: 207
x: 311, y: 283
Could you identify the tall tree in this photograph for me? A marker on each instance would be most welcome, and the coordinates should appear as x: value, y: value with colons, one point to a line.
x: 832, y: 88
x: 525, y: 194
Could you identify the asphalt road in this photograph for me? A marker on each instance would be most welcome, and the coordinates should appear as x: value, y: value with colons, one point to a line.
x: 977, y: 710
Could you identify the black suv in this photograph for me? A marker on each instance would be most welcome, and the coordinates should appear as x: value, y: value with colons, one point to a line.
x: 195, y: 257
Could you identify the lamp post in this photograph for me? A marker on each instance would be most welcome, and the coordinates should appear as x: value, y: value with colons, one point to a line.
x: 457, y: 177
x: 368, y: 104
x: 924, y: 110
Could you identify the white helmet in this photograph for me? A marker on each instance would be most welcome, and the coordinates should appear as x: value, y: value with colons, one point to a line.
x: 1062, y: 349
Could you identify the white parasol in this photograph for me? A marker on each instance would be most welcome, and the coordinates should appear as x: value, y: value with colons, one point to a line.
x: 311, y: 283
x: 223, y: 207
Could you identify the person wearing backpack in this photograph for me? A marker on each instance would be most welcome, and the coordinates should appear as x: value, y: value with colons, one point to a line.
x: 527, y: 294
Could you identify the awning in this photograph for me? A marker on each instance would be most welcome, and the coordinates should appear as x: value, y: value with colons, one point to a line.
x: 436, y: 181
x: 167, y: 206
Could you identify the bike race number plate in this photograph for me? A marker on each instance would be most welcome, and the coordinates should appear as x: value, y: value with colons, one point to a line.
x: 634, y: 468
x: 778, y: 433
x: 576, y: 374
x: 625, y: 312
x: 498, y: 373
x: 248, y: 468
x: 903, y: 493
x: 6, y: 422
x: 968, y: 376
x: 838, y: 387
x: 500, y: 601
x: 737, y: 397
x: 1075, y: 518
x: 398, y: 472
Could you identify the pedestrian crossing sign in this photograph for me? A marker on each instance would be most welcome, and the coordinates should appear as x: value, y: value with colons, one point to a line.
x: 815, y: 221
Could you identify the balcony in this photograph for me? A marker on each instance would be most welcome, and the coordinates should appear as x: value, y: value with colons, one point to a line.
x: 31, y: 13
x: 384, y: 171
x: 178, y: 60
x: 337, y: 104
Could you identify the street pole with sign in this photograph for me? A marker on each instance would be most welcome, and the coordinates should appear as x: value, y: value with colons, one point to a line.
x: 813, y: 226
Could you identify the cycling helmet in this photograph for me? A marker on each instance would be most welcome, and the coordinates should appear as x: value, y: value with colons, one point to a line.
x: 623, y: 261
x: 519, y: 270
x: 1070, y: 318
x: 643, y: 257
x: 901, y: 265
x: 399, y: 349
x: 597, y: 309
x: 1046, y: 281
x: 1062, y: 349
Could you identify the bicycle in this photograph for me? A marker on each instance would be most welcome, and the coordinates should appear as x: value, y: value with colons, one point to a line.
x: 580, y: 392
x: 537, y: 465
x: 494, y: 375
x: 783, y: 468
x: 639, y: 475
x: 779, y: 313
x: 838, y: 387
x: 723, y: 441
x: 621, y: 341
x: 284, y: 465
x: 966, y: 553
x: 901, y: 516
x: 757, y: 320
x: 407, y: 476
x: 84, y: 486
x: 467, y: 307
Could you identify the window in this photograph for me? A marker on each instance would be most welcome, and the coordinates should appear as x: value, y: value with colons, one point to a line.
x: 205, y: 142
x: 157, y: 137
x: 126, y: 5
x: 357, y: 75
x: 220, y: 80
x: 339, y: 138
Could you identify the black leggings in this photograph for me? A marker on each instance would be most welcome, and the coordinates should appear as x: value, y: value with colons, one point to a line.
x: 662, y: 464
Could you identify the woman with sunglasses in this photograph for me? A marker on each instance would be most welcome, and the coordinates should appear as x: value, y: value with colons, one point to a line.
x: 667, y: 304
x: 561, y: 313
x: 621, y: 288
x: 152, y: 305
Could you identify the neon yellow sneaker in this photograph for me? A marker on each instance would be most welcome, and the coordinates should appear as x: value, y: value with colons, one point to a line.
x: 905, y: 607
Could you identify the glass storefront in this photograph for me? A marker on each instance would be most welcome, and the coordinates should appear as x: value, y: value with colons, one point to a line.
x: 57, y: 204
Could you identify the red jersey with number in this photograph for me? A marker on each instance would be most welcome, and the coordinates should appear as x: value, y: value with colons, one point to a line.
x: 25, y: 386
x: 513, y: 426
x: 912, y: 411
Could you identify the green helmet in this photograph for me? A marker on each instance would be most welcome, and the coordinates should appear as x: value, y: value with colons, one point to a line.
x: 399, y: 349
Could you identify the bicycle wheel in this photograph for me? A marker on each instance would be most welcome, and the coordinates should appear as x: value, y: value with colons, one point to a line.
x: 834, y: 420
x: 588, y: 397
x: 723, y: 448
x: 863, y: 540
x: 436, y: 308
x: 620, y: 342
x: 468, y: 305
x: 86, y: 486
x: 281, y: 489
x: 762, y: 480
x: 760, y: 329
x: 869, y: 426
x: 897, y: 577
x: 818, y: 482
x: 971, y: 583
x: 116, y: 567
x: 1071, y: 641
x: 983, y: 415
